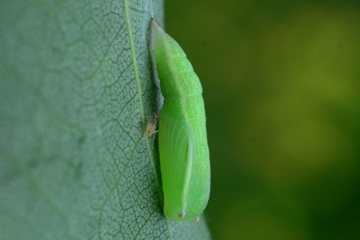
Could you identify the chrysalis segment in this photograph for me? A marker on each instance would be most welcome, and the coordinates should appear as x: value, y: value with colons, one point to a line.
x: 184, y: 152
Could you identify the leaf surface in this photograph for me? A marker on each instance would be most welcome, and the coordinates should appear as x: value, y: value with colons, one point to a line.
x: 76, y: 85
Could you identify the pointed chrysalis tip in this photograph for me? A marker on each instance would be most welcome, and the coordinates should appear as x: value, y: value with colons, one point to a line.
x: 156, y: 25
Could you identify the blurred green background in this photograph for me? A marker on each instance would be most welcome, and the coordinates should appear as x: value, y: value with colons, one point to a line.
x: 281, y: 88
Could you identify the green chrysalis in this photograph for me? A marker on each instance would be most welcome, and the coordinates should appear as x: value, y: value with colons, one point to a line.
x: 184, y: 151
x: 151, y: 126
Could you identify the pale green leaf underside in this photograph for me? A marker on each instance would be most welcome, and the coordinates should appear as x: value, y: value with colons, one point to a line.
x: 75, y: 85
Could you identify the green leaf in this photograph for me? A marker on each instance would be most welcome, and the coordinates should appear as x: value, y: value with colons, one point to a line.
x: 76, y: 87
